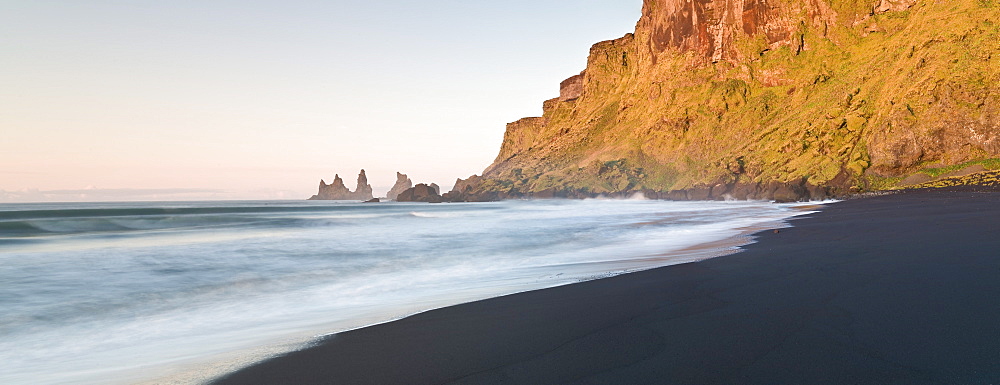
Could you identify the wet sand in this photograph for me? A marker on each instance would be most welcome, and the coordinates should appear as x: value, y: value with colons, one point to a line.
x: 895, y: 289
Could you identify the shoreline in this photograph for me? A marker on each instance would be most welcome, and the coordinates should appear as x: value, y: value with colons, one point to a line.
x: 691, y: 254
x: 200, y: 371
x: 696, y: 253
x: 873, y: 290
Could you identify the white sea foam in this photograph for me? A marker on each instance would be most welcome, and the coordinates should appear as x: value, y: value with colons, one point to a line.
x: 183, y: 292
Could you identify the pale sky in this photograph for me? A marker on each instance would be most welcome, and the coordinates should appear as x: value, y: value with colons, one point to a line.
x: 165, y: 100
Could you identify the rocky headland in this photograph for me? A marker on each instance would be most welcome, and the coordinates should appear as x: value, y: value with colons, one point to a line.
x: 753, y: 99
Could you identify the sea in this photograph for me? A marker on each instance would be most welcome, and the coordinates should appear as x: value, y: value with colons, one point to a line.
x: 182, y: 292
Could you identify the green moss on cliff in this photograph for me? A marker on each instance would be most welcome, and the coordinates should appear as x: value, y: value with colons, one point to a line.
x: 988, y: 164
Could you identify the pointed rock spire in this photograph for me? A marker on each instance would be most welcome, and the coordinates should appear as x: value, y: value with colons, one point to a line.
x: 338, y: 191
x: 402, y: 183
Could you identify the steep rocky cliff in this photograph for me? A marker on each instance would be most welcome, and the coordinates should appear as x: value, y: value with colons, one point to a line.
x: 766, y: 98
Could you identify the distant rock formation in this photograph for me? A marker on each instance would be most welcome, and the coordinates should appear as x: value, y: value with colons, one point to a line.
x: 402, y: 183
x: 338, y: 191
x: 364, y: 190
x: 421, y: 193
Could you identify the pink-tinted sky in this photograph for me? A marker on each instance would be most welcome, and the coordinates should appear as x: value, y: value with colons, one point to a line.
x: 162, y: 100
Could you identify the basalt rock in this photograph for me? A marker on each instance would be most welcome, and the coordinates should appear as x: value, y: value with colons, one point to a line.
x: 572, y: 88
x: 420, y: 193
x: 363, y: 191
x: 472, y: 189
x: 884, y: 6
x: 338, y: 191
x: 402, y: 183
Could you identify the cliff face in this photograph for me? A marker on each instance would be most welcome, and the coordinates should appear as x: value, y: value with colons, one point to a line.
x: 742, y: 97
x: 712, y: 29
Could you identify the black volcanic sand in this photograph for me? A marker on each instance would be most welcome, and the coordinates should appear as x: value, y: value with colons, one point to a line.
x: 897, y: 289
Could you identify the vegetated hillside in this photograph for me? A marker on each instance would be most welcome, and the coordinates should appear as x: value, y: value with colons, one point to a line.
x: 782, y: 99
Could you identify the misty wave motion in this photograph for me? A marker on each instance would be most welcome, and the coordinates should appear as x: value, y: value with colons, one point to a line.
x: 132, y: 292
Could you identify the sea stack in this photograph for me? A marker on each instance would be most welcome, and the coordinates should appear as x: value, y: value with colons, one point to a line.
x: 338, y: 191
x: 402, y: 183
x: 421, y: 193
x: 364, y: 190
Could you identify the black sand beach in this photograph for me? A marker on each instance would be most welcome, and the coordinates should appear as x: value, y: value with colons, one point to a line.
x: 896, y: 289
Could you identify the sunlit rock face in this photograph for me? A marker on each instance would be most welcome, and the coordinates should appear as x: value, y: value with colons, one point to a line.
x: 711, y: 27
x: 716, y: 99
x: 884, y: 6
x: 571, y: 89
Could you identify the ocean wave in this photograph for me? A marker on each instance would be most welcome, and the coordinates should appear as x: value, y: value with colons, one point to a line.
x: 48, y: 223
x: 420, y: 214
x: 65, y: 212
x: 117, y: 288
